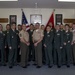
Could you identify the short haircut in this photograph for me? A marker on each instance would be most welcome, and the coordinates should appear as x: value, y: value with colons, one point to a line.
x: 23, y: 24
x: 67, y: 25
x: 31, y: 24
x: 42, y: 25
x: 38, y: 23
x: 48, y: 26
x: 13, y: 23
x: 8, y: 25
x: 19, y: 24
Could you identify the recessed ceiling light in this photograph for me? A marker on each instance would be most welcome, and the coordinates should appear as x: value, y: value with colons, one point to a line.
x: 66, y: 0
x: 8, y: 0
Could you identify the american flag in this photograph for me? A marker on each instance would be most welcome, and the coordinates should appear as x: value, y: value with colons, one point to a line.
x: 24, y: 20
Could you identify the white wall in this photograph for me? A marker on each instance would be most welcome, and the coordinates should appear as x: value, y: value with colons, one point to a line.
x: 4, y: 13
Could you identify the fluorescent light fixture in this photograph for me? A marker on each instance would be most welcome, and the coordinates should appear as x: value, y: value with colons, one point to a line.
x: 66, y: 0
x: 8, y: 0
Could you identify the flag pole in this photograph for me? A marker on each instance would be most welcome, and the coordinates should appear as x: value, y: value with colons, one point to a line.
x: 22, y: 12
x: 54, y: 14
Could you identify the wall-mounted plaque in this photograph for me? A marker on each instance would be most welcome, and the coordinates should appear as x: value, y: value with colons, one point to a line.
x: 13, y: 19
x: 36, y: 18
x: 3, y: 20
x: 69, y: 20
x: 58, y: 18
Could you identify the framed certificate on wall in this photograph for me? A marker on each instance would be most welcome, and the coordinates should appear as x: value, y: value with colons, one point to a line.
x: 13, y: 19
x: 58, y: 18
x: 36, y: 18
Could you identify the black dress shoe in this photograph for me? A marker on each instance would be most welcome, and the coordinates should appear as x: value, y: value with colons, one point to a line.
x: 10, y: 67
x: 38, y: 67
x: 33, y: 60
x: 49, y: 66
x: 68, y: 66
x: 4, y: 64
x: 34, y: 64
x: 59, y: 66
x: 28, y: 64
x: 44, y: 63
x: 0, y: 64
x: 15, y: 64
x: 74, y: 64
x: 29, y: 60
x: 24, y: 67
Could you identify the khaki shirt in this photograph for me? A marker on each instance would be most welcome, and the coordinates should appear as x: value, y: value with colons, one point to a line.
x: 23, y: 34
x: 73, y: 35
x: 71, y: 30
x: 37, y: 34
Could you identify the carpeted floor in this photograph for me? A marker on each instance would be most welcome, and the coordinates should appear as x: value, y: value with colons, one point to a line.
x: 32, y: 70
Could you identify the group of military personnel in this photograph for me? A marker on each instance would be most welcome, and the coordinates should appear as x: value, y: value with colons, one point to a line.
x: 40, y: 44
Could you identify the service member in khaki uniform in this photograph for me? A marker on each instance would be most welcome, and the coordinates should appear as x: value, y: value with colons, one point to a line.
x: 37, y: 40
x: 24, y: 43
